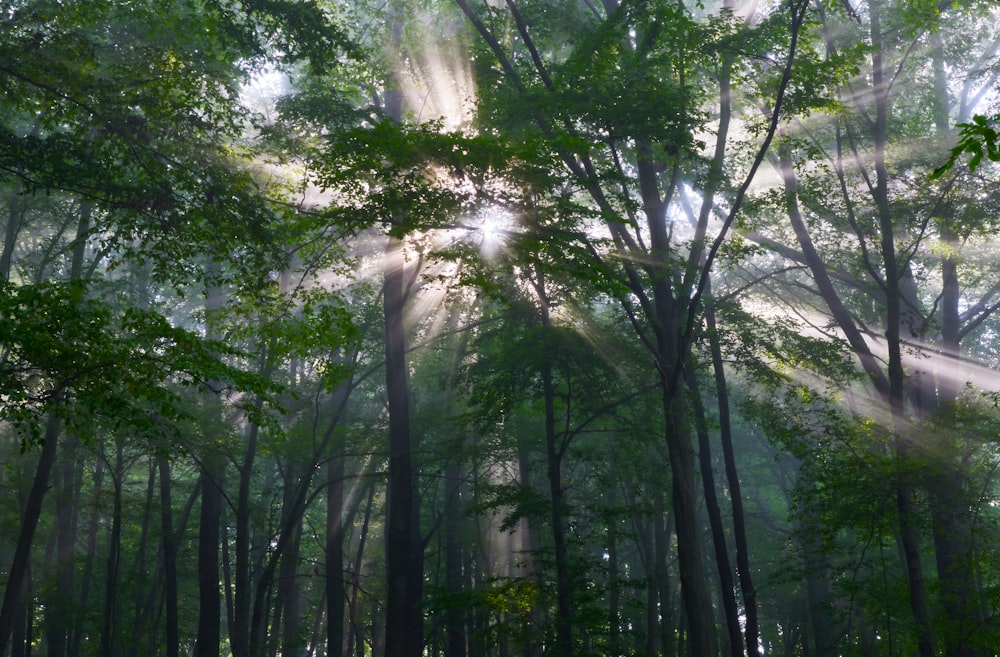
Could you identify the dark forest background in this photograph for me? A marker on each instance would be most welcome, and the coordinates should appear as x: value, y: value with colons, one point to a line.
x: 485, y: 328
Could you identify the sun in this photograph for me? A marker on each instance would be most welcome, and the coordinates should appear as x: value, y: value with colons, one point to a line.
x: 494, y: 228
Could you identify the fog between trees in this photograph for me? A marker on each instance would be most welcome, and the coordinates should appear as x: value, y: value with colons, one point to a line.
x: 482, y: 329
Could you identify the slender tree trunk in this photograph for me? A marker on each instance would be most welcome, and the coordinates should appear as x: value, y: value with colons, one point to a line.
x: 752, y: 628
x: 894, y: 312
x: 947, y: 486
x: 336, y: 591
x: 289, y: 590
x: 667, y: 619
x: 59, y: 617
x: 109, y: 645
x: 564, y: 590
x: 16, y: 208
x: 455, y: 617
x: 694, y: 590
x: 86, y: 578
x: 554, y: 449
x: 454, y: 517
x: 26, y: 534
x: 239, y: 639
x: 212, y: 479
x: 727, y: 592
x: 21, y: 634
x: 355, y: 637
x: 209, y: 595
x: 614, y: 574
x: 526, y: 542
x: 169, y: 551
x: 404, y: 551
x: 139, y: 572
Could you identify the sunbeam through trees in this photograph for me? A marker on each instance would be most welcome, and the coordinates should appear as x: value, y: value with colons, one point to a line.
x: 495, y: 328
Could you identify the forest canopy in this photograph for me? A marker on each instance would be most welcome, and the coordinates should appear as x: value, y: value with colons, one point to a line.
x: 480, y: 328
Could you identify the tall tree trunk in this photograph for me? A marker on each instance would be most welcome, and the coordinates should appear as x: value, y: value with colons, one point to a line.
x: 59, y: 617
x: 355, y: 637
x: 9, y: 615
x: 752, y: 628
x: 553, y: 457
x: 404, y: 549
x: 727, y: 590
x: 947, y: 484
x: 139, y: 573
x: 893, y: 323
x: 455, y: 616
x: 667, y: 624
x: 209, y: 595
x: 207, y: 642
x: 694, y: 589
x: 554, y: 451
x: 614, y: 574
x: 109, y: 644
x: 76, y: 639
x: 336, y: 591
x: 169, y: 552
x: 242, y: 585
x: 21, y: 636
x: 526, y: 544
x: 289, y: 590
x: 454, y: 516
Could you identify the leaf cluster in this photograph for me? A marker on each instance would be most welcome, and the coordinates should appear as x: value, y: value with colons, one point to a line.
x: 979, y: 139
x: 63, y: 343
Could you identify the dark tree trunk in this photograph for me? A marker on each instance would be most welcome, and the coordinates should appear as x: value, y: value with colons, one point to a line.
x: 694, y: 590
x: 209, y: 596
x: 947, y: 486
x: 727, y: 590
x: 139, y: 573
x: 404, y: 550
x: 169, y: 551
x: 554, y: 450
x: 109, y: 644
x: 21, y: 635
x: 526, y: 547
x: 289, y: 590
x: 667, y: 620
x: 614, y: 575
x: 355, y: 638
x: 455, y: 617
x: 60, y: 619
x: 9, y: 611
x: 336, y: 591
x: 86, y: 579
x: 242, y: 586
x: 212, y: 480
x: 564, y: 590
x: 893, y: 324
x: 752, y: 628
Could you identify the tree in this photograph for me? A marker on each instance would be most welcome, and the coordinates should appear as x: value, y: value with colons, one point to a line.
x: 650, y: 120
x: 909, y: 230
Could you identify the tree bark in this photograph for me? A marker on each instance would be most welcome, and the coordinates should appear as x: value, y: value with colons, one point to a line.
x: 169, y: 551
x: 893, y: 323
x: 239, y: 638
x: 752, y: 628
x: 336, y: 591
x: 209, y: 596
x: 109, y: 622
x: 727, y: 590
x: 404, y: 549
